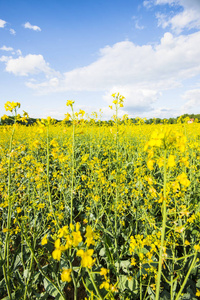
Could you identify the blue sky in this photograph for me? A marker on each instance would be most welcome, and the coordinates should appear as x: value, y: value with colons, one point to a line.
x: 147, y: 50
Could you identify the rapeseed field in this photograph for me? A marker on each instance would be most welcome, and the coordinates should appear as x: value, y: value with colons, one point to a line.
x: 98, y: 211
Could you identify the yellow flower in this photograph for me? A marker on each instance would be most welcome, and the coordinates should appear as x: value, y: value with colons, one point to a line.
x: 198, y: 293
x: 133, y: 261
x: 49, y: 120
x: 105, y: 285
x: 90, y: 236
x: 6, y: 230
x: 69, y: 103
x: 58, y: 251
x: 19, y: 210
x: 4, y: 117
x: 171, y: 161
x: 183, y: 179
x: 9, y: 106
x: 104, y: 272
x: 66, y: 275
x: 86, y: 256
x: 44, y: 240
x: 197, y: 248
x: 77, y: 238
x: 56, y: 254
x: 69, y: 242
x: 63, y: 231
x: 187, y: 243
x: 150, y: 163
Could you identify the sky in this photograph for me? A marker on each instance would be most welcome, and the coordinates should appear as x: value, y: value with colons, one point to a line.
x: 86, y: 50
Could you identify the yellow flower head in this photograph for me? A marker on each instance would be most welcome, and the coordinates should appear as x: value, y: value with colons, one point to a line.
x: 44, y: 240
x: 104, y: 272
x: 89, y: 236
x: 70, y: 102
x: 66, y: 275
x: 57, y: 254
x: 58, y: 251
x: 182, y: 178
x: 86, y: 257
x: 9, y: 106
x: 171, y: 161
x: 77, y: 238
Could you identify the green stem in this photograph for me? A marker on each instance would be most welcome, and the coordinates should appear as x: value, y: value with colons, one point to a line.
x: 72, y: 178
x: 23, y: 231
x: 164, y: 218
x: 117, y: 189
x: 74, y: 281
x: 94, y: 284
x: 186, y: 277
x: 7, y: 239
x: 140, y: 281
x: 48, y: 183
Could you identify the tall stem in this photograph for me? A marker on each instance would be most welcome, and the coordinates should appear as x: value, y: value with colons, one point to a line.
x: 72, y: 178
x: 7, y: 240
x: 117, y: 189
x: 48, y: 183
x: 164, y: 217
x: 186, y: 277
x: 94, y: 285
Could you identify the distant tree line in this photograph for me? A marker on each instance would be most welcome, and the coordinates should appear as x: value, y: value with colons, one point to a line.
x: 31, y: 121
x: 173, y: 120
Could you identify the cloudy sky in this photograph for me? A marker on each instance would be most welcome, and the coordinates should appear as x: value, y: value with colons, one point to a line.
x: 147, y: 50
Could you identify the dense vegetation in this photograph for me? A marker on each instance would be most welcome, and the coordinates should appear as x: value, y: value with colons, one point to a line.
x: 93, y: 211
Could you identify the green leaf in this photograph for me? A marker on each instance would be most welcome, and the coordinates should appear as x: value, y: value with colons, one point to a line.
x: 125, y: 283
x: 102, y: 252
x: 7, y: 298
x: 198, y: 283
x: 26, y: 273
x: 50, y: 289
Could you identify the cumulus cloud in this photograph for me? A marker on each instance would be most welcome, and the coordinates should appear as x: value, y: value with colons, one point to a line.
x: 30, y: 64
x: 193, y: 100
x: 5, y: 58
x: 140, y: 73
x: 4, y: 48
x: 33, y: 27
x: 188, y: 18
x: 2, y: 23
x: 163, y: 66
x: 138, y: 99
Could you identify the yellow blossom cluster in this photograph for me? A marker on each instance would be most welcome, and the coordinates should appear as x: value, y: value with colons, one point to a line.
x: 10, y: 106
x: 73, y: 238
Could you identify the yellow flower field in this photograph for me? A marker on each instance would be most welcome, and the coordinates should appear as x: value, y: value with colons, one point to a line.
x: 98, y: 211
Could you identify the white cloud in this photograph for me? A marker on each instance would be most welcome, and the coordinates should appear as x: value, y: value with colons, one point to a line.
x: 193, y: 101
x: 30, y: 64
x: 189, y: 18
x: 5, y: 58
x: 33, y: 27
x: 12, y: 31
x: 137, y: 99
x: 167, y: 64
x: 19, y: 52
x: 137, y: 25
x: 4, y: 48
x: 140, y: 73
x: 2, y: 23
